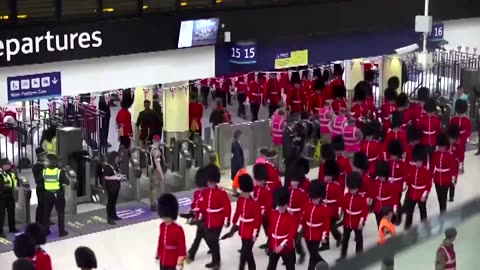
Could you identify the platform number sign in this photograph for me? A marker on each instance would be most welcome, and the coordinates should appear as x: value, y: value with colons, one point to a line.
x: 243, y: 53
x: 437, y: 32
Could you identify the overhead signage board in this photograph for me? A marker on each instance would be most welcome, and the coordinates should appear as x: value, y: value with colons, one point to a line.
x: 35, y: 86
x: 437, y: 33
x: 243, y: 53
x: 291, y: 59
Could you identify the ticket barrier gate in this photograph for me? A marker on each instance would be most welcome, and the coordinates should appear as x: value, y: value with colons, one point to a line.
x: 22, y: 196
x: 204, y: 157
x: 180, y: 177
x: 83, y: 164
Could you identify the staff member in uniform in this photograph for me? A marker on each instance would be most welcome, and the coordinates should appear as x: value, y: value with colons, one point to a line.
x: 112, y: 176
x: 8, y: 182
x: 49, y: 140
x: 37, y: 171
x: 446, y: 257
x: 53, y: 179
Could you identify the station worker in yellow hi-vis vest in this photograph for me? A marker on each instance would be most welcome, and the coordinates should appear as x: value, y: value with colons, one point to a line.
x: 8, y: 183
x: 53, y: 179
x: 49, y: 140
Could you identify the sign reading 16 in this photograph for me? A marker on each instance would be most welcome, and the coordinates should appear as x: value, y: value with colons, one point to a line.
x: 246, y: 53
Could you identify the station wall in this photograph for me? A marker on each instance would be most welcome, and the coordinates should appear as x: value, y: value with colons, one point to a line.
x: 111, y: 73
x: 465, y: 32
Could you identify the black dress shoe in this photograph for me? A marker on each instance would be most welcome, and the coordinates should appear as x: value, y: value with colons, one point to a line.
x: 209, y: 252
x: 263, y: 246
x: 14, y: 230
x: 63, y: 234
x: 111, y: 222
x: 117, y: 218
x: 324, y: 247
x: 210, y: 265
x: 477, y: 154
x: 301, y: 260
x: 451, y: 200
x: 153, y: 208
x: 2, y: 235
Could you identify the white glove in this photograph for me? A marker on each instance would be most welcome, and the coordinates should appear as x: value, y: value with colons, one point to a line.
x: 340, y: 213
x: 405, y: 186
x: 300, y: 227
x: 263, y: 212
x: 369, y: 201
x: 454, y: 181
x: 227, y: 223
x: 395, y: 209
x: 361, y: 223
x: 424, y: 196
x: 278, y: 249
x: 325, y: 237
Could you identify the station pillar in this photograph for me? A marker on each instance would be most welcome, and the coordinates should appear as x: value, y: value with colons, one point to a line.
x: 391, y: 66
x: 176, y: 99
x: 141, y: 93
x: 353, y: 75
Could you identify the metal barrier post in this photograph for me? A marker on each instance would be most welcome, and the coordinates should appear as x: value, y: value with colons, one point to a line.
x: 71, y: 191
x: 23, y: 194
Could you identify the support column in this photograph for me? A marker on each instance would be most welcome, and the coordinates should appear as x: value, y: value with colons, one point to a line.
x: 176, y: 98
x: 353, y: 75
x: 391, y: 66
x: 141, y: 93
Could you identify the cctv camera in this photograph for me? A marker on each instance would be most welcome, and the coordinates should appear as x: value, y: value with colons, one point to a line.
x: 407, y: 49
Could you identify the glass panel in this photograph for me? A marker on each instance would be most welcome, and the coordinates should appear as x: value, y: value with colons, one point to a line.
x: 73, y: 8
x: 196, y: 3
x: 155, y: 5
x: 4, y: 11
x: 35, y: 9
x: 119, y: 7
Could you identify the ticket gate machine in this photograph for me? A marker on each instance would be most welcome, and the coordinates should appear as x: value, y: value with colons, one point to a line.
x: 22, y: 197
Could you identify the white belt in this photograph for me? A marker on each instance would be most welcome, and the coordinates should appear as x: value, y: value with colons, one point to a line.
x: 362, y: 193
x: 462, y: 131
x: 353, y: 213
x: 394, y: 179
x: 278, y: 237
x: 171, y: 247
x: 314, y: 225
x: 329, y: 201
x: 441, y: 170
x: 383, y: 198
x: 373, y: 159
x: 209, y: 210
x: 255, y: 94
x: 418, y: 187
x: 296, y: 101
x: 429, y: 132
x: 273, y: 93
x: 293, y: 209
x: 246, y: 220
x: 262, y: 207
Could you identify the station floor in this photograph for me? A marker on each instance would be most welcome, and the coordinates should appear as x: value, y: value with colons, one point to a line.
x: 132, y: 247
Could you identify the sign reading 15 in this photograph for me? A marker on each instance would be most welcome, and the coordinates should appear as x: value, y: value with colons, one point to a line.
x: 241, y: 53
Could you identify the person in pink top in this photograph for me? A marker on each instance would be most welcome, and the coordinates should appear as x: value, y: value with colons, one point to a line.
x: 278, y: 126
x: 325, y: 116
x: 338, y: 123
x: 352, y: 136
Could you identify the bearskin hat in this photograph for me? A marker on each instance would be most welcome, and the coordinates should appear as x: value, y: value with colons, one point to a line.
x: 339, y: 91
x: 402, y: 100
x: 354, y: 180
x: 200, y: 178
x: 326, y: 75
x: 295, y: 78
x: 317, y: 72
x: 264, y: 151
x: 317, y: 189
x: 453, y: 132
x: 24, y: 246
x: 319, y: 84
x: 338, y: 143
x: 305, y: 74
x: 168, y: 206
x: 413, y: 133
x: 85, y: 258
x: 423, y: 94
x: 369, y: 75
x: 302, y: 164
x: 294, y: 174
x: 331, y: 168
x: 397, y: 119
x: 212, y: 173
x: 461, y: 106
x: 390, y: 94
x: 419, y: 153
x: 327, y: 151
x: 360, y: 95
x: 37, y: 232
x: 393, y: 82
x: 282, y: 196
x: 23, y: 264
x: 337, y: 70
x: 395, y: 148
x: 363, y: 86
x: 369, y: 129
x: 382, y: 169
x: 360, y: 161
x: 245, y: 183
x: 385, y: 210
x: 430, y: 105
x: 260, y: 172
x: 443, y: 139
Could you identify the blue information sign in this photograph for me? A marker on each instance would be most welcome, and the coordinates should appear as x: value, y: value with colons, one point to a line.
x: 437, y: 32
x: 243, y: 53
x: 35, y: 86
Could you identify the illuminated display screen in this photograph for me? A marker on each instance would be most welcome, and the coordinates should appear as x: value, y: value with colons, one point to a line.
x: 198, y: 33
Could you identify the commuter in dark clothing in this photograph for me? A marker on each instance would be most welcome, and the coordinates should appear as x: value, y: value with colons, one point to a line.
x: 37, y: 171
x: 158, y: 108
x: 238, y: 159
x: 149, y: 123
x: 217, y: 116
x: 112, y: 177
x: 104, y: 104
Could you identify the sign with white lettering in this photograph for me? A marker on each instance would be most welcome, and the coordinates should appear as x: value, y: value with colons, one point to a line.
x: 36, y: 86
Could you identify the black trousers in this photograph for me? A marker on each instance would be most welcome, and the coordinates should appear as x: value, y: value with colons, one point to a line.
x: 7, y: 204
x: 125, y: 141
x: 254, y: 108
x: 104, y: 130
x: 167, y: 268
x: 212, y: 238
x: 204, y: 91
x: 246, y: 255
x: 315, y: 256
x: 410, y: 207
x: 40, y: 205
x: 200, y: 234
x: 221, y: 95
x: 346, y: 238
x: 334, y: 229
x: 298, y: 245
x: 287, y: 258
x: 113, y: 189
x: 271, y: 109
x: 241, y: 97
x: 451, y: 193
x: 442, y: 193
x: 58, y: 200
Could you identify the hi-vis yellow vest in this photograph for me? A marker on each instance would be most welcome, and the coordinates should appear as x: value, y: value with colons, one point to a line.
x: 51, y: 147
x: 52, y: 179
x: 10, y: 179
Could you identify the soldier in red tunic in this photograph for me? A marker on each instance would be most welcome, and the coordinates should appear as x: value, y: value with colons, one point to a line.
x: 398, y: 169
x: 298, y: 199
x: 443, y: 166
x: 195, y: 114
x: 39, y: 236
x: 359, y: 110
x: 282, y: 231
x: 340, y: 94
x: 355, y: 212
x: 216, y: 210
x: 171, y: 250
x: 371, y: 147
x: 241, y: 89
x: 360, y: 165
x: 388, y: 108
x: 383, y: 192
x: 316, y: 101
x: 333, y: 199
x: 327, y: 152
x: 273, y: 95
x: 263, y: 195
x: 315, y: 222
x: 343, y: 162
x: 303, y: 167
x: 249, y: 216
x: 430, y: 126
x: 419, y: 183
x: 462, y: 120
x: 255, y: 97
x: 295, y: 99
x: 456, y: 149
x: 396, y: 132
x: 416, y: 108
x: 413, y: 138
x: 402, y: 107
